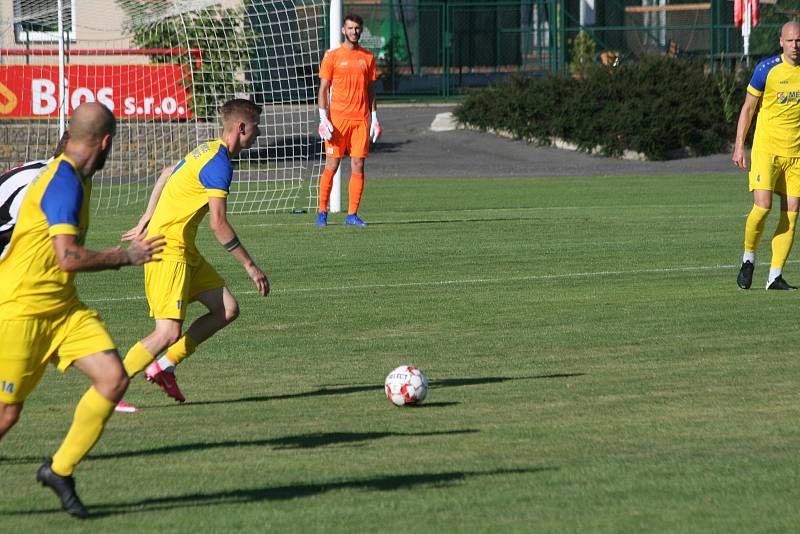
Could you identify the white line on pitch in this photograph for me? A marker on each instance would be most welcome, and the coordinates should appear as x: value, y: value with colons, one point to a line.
x: 468, y: 281
x: 485, y: 210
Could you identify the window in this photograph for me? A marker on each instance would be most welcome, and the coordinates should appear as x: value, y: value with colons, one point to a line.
x: 36, y: 21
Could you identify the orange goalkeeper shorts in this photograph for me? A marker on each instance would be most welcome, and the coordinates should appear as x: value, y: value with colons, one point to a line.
x: 348, y: 135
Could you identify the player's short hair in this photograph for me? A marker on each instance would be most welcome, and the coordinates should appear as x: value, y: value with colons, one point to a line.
x: 355, y: 18
x: 239, y: 108
x: 91, y: 121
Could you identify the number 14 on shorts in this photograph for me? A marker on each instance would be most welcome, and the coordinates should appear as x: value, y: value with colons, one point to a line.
x: 7, y: 387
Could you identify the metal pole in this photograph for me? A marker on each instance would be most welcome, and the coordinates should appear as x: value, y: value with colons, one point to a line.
x: 335, y: 39
x: 61, y: 76
x: 711, y: 46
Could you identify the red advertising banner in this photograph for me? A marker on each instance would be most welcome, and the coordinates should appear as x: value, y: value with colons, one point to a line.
x: 130, y: 91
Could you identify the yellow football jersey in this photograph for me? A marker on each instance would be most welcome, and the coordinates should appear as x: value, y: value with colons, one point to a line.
x: 205, y: 172
x: 778, y: 128
x: 56, y: 203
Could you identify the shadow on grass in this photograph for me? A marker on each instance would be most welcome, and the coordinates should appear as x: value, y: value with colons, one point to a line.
x: 301, y: 441
x: 295, y: 491
x: 347, y: 389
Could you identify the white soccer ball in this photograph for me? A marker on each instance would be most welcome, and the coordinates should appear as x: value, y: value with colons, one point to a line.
x: 406, y: 385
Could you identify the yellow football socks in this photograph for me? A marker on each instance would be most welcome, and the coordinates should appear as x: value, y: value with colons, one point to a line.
x: 754, y: 227
x: 182, y: 349
x: 91, y: 415
x: 137, y: 359
x: 783, y: 238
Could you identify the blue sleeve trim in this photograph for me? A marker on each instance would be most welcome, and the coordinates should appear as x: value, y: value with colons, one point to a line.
x: 63, y: 197
x: 217, y: 173
x: 759, y: 79
x: 178, y: 166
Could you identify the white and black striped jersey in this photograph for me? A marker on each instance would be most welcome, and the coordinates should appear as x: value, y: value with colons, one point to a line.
x: 13, y: 185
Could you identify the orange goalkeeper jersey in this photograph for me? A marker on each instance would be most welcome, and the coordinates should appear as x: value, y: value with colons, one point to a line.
x: 350, y: 73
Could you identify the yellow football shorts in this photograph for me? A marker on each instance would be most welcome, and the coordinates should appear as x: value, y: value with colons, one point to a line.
x: 171, y: 285
x: 29, y: 343
x: 774, y: 173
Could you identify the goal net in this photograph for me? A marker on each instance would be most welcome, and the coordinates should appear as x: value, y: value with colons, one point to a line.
x: 165, y: 67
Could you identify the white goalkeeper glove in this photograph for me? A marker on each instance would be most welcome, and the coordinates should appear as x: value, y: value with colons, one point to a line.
x: 325, y: 127
x: 375, y: 130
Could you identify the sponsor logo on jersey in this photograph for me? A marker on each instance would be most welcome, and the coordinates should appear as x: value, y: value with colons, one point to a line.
x: 787, y: 97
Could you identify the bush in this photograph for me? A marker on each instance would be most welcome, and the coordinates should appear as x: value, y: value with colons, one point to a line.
x: 658, y: 106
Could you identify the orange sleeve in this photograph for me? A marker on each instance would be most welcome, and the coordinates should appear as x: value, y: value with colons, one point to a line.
x: 372, y: 71
x: 326, y: 68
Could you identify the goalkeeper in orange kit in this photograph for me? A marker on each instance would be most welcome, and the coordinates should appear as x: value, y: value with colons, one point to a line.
x: 346, y: 76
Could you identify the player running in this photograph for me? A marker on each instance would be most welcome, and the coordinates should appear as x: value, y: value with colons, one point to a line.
x: 197, y: 185
x: 346, y: 75
x: 41, y: 318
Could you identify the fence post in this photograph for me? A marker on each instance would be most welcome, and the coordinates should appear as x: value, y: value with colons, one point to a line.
x: 447, y: 49
x: 713, y: 40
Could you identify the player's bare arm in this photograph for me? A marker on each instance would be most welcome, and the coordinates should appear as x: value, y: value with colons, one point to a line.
x: 141, y: 226
x: 375, y: 129
x: 225, y: 234
x: 324, y: 89
x: 325, y: 127
x: 72, y: 257
x: 743, y: 126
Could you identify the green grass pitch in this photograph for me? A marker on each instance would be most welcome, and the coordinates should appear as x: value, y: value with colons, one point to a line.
x: 593, y: 367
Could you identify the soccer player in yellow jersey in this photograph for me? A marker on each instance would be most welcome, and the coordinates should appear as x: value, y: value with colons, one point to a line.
x: 350, y: 119
x: 197, y: 185
x: 41, y: 318
x: 775, y: 156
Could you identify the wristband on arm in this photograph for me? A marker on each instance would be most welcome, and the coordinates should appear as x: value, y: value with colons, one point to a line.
x: 233, y: 244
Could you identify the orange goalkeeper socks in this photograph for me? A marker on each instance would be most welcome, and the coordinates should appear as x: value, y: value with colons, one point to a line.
x: 355, y: 190
x: 325, y: 186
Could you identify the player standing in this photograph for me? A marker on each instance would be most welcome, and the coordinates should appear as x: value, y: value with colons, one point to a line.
x: 775, y: 157
x: 197, y: 185
x: 41, y: 318
x: 346, y: 75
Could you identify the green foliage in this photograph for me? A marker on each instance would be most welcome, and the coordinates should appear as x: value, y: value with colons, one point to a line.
x: 657, y: 106
x: 727, y: 85
x: 219, y: 76
x: 583, y: 54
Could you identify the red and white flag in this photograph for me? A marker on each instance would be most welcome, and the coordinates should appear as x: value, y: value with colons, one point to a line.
x: 739, y: 7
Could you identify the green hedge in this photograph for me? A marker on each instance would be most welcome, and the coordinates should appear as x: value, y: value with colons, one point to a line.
x: 657, y: 106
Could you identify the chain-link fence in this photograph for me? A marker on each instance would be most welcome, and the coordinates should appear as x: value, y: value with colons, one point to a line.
x: 431, y: 47
x: 439, y: 47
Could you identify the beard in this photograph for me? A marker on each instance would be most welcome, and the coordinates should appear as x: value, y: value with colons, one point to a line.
x: 101, y: 159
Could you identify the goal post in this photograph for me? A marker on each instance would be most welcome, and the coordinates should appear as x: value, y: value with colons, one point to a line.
x: 164, y: 67
x: 334, y: 40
